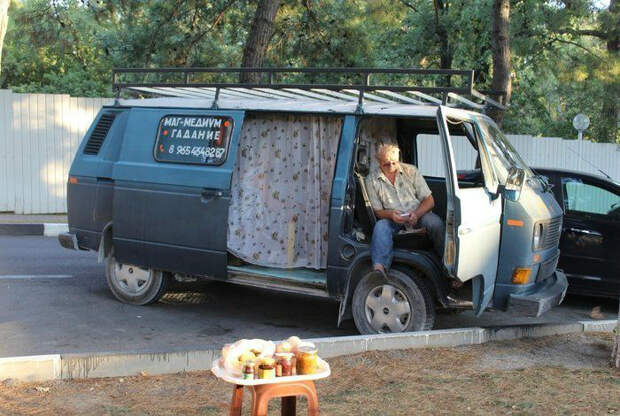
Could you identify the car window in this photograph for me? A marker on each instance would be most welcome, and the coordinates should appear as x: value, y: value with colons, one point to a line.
x: 588, y: 198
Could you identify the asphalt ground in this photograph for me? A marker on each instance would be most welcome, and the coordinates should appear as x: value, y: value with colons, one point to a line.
x: 54, y: 300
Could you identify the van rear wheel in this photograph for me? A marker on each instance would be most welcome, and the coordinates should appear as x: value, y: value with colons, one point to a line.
x: 133, y: 284
x: 402, y: 303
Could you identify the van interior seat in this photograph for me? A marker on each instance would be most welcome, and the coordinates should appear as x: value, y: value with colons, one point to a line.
x: 413, y: 240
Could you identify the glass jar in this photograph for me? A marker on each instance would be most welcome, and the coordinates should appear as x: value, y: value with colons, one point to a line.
x: 248, y: 370
x: 267, y: 369
x: 307, y: 361
x: 284, y: 366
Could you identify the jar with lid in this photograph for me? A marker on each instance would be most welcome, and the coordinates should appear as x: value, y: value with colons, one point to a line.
x: 307, y: 360
x: 248, y: 370
x: 284, y: 364
x: 267, y: 368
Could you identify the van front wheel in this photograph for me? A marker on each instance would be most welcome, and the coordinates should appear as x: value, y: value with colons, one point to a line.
x: 133, y: 284
x: 402, y: 303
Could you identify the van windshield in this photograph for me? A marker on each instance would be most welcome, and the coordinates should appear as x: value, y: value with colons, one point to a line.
x: 502, y: 154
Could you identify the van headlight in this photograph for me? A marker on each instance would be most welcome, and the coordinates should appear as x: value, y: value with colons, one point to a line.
x: 537, y: 239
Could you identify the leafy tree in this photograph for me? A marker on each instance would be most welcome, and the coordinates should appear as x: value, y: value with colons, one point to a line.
x: 53, y: 49
x: 4, y: 21
x: 559, y: 74
x: 563, y: 52
x: 72, y: 46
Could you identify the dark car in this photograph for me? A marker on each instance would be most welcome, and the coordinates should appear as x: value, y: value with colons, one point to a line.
x: 590, y: 242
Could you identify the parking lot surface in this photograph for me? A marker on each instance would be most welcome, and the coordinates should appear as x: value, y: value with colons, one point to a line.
x: 56, y: 301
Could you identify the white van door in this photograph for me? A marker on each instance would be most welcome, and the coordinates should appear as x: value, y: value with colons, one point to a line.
x: 473, y: 218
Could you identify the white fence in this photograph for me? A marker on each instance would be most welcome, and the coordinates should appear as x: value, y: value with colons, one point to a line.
x: 547, y: 152
x: 39, y: 134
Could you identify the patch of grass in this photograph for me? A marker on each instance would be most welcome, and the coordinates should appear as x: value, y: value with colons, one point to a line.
x: 210, y: 411
x: 116, y: 410
x: 405, y: 382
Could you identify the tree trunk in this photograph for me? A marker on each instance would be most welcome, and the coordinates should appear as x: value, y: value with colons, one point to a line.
x: 258, y: 39
x: 615, y: 354
x: 4, y: 21
x: 610, y: 104
x: 502, y: 67
x: 445, y: 50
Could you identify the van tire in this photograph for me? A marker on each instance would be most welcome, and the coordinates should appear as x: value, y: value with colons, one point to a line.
x: 126, y: 288
x: 376, y: 295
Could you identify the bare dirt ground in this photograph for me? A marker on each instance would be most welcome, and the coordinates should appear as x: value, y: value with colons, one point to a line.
x: 554, y: 375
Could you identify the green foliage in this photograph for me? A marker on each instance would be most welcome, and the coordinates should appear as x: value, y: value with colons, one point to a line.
x: 563, y: 62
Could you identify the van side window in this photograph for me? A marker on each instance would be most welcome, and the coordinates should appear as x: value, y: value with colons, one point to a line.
x: 470, y: 160
x: 193, y: 139
x: 430, y: 155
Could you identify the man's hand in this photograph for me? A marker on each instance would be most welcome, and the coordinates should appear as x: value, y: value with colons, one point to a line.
x: 398, y: 218
x: 413, y: 218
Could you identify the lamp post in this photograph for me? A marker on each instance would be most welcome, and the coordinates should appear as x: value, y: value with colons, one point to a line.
x: 580, y: 123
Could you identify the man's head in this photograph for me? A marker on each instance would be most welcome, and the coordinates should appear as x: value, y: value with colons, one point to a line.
x: 388, y: 155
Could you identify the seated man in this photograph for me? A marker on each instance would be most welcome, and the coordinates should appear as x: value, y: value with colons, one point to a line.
x: 399, y: 196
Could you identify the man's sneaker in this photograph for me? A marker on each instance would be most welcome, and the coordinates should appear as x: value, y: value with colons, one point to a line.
x: 381, y: 272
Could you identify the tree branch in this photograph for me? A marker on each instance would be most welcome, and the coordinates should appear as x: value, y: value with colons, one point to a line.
x: 569, y: 42
x: 578, y: 32
x: 216, y: 21
x: 317, y: 22
x: 409, y: 5
x: 151, y: 48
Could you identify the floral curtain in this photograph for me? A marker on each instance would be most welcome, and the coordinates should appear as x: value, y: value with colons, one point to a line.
x: 281, y: 190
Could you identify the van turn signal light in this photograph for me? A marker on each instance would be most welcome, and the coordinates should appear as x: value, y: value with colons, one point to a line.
x: 521, y: 275
x: 73, y: 179
x: 514, y: 223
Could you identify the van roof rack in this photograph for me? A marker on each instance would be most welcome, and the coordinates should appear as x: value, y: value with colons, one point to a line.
x: 211, y: 83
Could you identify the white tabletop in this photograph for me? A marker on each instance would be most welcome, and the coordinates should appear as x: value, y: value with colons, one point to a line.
x: 322, y: 372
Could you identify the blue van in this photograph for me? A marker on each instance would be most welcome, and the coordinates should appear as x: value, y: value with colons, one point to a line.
x: 263, y: 185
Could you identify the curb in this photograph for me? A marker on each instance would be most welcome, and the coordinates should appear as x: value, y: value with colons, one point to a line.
x: 71, y: 366
x: 44, y: 229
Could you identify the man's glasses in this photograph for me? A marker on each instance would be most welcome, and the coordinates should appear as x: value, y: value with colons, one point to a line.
x: 389, y: 163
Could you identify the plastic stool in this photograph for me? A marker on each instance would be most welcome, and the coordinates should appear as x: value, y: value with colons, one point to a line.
x: 261, y: 395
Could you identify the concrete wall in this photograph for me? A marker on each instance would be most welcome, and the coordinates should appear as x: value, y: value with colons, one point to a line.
x: 39, y: 134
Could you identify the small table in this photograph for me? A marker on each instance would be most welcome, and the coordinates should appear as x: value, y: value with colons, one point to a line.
x: 288, y: 391
x: 263, y: 390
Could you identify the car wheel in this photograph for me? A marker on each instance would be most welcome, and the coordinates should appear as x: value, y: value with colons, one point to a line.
x: 400, y: 303
x: 133, y: 284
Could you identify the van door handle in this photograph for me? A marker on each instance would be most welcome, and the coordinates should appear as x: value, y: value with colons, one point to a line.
x: 465, y: 230
x: 207, y: 195
x: 587, y: 232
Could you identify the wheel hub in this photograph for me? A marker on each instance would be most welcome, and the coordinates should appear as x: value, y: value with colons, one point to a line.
x: 131, y: 279
x: 387, y: 309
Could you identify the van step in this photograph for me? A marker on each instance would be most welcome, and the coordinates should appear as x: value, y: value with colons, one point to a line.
x: 302, y: 281
x: 458, y: 303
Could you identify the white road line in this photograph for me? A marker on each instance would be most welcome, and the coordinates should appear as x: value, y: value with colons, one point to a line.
x: 35, y: 276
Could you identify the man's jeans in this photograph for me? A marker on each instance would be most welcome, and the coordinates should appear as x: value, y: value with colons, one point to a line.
x: 383, y: 237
